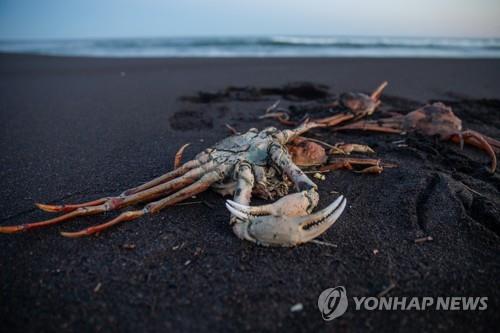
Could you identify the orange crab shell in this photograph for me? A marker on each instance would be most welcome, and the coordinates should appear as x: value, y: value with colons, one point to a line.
x: 433, y: 119
x: 306, y: 153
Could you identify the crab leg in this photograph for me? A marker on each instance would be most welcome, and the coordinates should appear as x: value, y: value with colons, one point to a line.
x: 288, y: 135
x: 371, y: 126
x: 201, y: 185
x: 244, y: 187
x: 348, y: 148
x: 475, y: 139
x: 281, y: 158
x: 70, y: 207
x: 282, y: 117
x: 190, y: 165
x: 159, y: 180
x: 373, y: 165
x: 494, y: 143
x: 178, y: 156
x: 336, y: 119
x: 243, y: 195
x: 378, y: 92
x: 121, y: 201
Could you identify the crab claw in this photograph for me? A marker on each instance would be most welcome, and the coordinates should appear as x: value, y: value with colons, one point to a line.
x: 284, y: 230
x: 296, y: 204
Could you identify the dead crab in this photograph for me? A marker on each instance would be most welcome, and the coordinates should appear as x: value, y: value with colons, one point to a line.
x: 253, y: 163
x: 349, y: 106
x: 435, y: 119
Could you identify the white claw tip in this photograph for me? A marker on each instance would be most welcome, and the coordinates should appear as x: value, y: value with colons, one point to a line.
x: 235, y: 212
x: 241, y: 207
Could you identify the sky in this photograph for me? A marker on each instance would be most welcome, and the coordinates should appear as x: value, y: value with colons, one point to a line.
x: 67, y: 19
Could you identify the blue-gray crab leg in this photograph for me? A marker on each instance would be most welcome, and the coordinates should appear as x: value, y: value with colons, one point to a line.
x: 281, y: 158
x: 245, y: 184
x: 243, y: 195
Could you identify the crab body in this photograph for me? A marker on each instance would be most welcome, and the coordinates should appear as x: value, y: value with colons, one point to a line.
x: 251, y: 148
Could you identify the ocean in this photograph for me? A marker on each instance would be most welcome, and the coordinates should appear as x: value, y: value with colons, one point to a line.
x: 276, y: 46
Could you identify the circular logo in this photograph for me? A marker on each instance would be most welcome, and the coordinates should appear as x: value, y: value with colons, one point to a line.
x: 332, y: 303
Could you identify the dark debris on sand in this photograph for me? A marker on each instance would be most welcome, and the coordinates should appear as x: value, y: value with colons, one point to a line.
x: 297, y: 91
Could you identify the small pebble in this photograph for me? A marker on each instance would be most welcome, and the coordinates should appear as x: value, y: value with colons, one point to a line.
x: 297, y: 307
x: 423, y: 239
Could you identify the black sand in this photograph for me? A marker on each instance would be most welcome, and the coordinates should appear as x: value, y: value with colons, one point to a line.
x: 77, y: 129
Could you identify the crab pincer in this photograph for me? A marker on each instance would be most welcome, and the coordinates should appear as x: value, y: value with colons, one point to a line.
x: 269, y: 226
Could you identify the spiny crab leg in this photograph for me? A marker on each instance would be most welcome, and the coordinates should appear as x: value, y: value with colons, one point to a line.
x: 186, y: 167
x: 120, y: 201
x: 193, y: 164
x: 69, y: 207
x: 201, y: 185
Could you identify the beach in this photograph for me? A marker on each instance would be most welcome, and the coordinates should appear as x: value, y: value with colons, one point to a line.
x: 76, y: 129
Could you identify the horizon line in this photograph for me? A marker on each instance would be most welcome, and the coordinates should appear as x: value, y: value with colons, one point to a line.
x: 32, y: 39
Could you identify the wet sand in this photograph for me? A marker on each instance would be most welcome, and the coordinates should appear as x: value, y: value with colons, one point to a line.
x: 75, y: 129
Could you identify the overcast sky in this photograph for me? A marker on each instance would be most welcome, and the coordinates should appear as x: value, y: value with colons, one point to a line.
x: 34, y: 19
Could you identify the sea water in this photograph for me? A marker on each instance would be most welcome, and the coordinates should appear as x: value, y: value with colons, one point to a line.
x: 273, y: 46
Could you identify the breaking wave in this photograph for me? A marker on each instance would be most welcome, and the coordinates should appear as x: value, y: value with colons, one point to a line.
x: 294, y: 46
